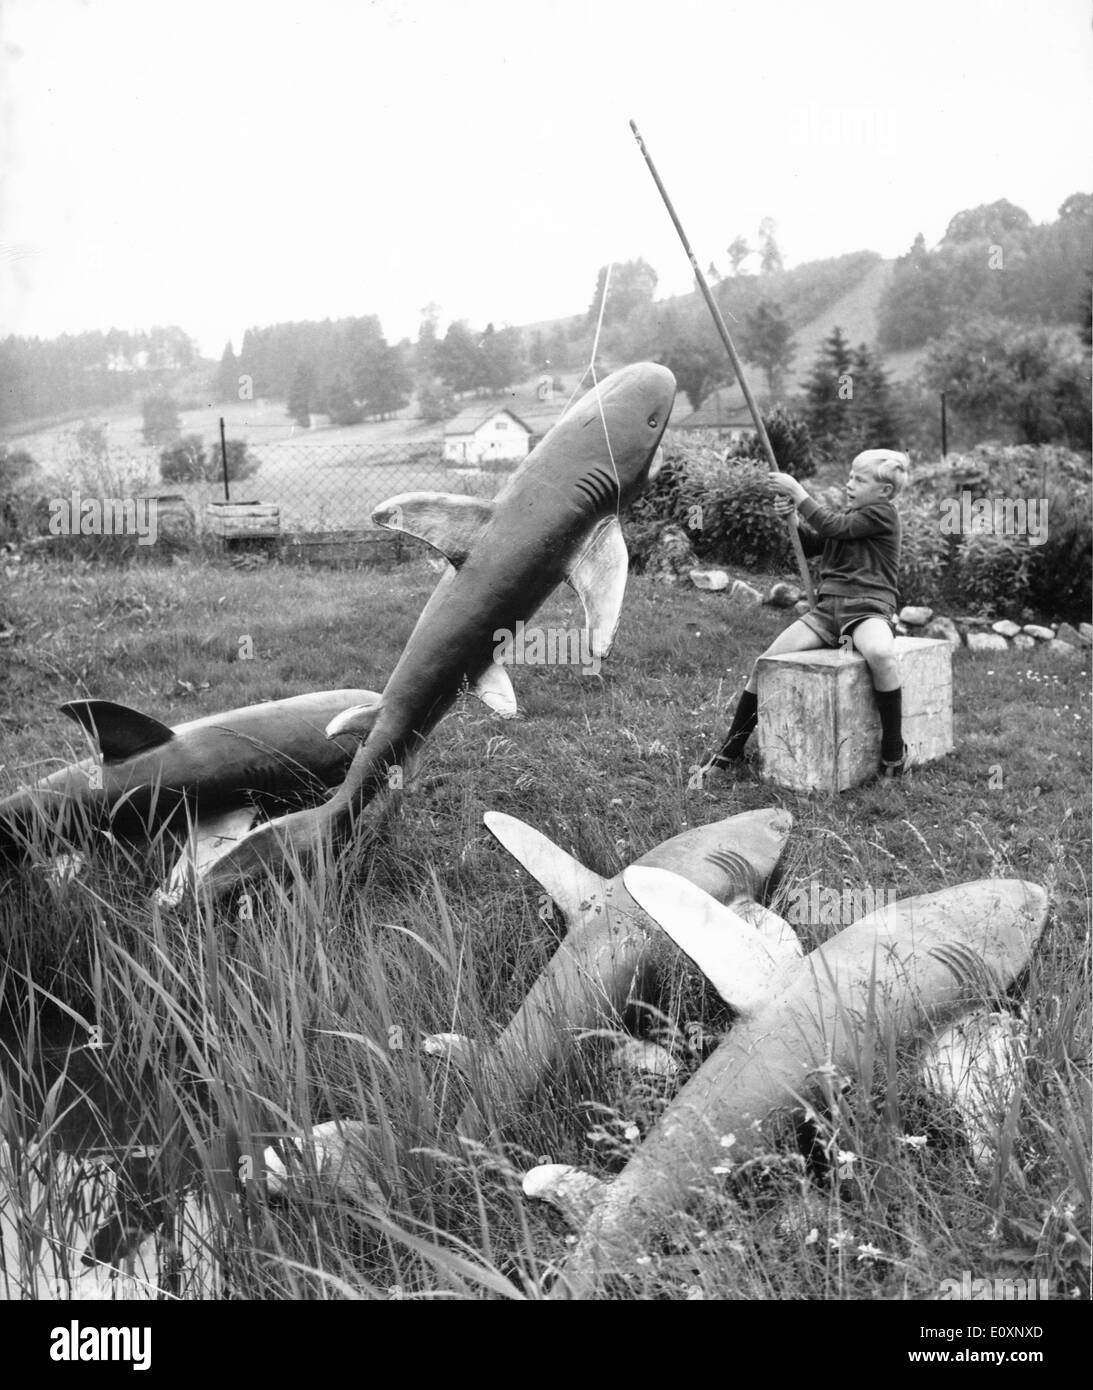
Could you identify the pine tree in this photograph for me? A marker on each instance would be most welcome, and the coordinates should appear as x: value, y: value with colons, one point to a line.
x: 876, y: 421
x: 227, y: 375
x: 299, y: 395
x: 829, y: 394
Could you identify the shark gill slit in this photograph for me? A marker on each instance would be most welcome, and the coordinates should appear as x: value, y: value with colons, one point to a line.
x: 599, y: 488
x: 735, y: 866
x: 968, y: 966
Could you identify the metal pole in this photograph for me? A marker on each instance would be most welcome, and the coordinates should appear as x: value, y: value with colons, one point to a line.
x: 944, y: 429
x: 737, y: 366
x: 224, y: 459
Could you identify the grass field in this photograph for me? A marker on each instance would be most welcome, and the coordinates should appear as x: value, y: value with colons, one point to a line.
x: 218, y: 1033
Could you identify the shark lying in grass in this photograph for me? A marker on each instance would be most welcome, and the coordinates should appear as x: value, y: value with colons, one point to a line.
x: 557, y: 518
x: 213, y: 773
x: 607, y: 953
x: 907, y: 969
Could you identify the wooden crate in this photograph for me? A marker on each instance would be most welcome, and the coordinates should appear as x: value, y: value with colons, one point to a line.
x: 819, y: 729
x: 249, y: 521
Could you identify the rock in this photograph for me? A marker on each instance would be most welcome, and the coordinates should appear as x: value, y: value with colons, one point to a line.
x: 784, y: 595
x: 745, y: 592
x: 1005, y: 628
x: 1085, y: 632
x: 902, y: 630
x: 671, y: 557
x: 944, y: 628
x: 802, y: 606
x: 709, y: 579
x: 1059, y: 648
x: 649, y: 1058
x: 1066, y: 633
x: 915, y: 616
x: 1022, y: 642
x: 1042, y: 634
x: 986, y: 642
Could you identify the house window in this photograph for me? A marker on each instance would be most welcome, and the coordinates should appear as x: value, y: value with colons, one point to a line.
x: 500, y: 425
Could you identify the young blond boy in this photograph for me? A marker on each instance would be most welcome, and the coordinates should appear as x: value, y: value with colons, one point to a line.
x: 859, y: 571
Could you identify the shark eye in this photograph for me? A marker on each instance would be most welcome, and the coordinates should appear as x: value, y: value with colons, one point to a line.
x: 652, y: 422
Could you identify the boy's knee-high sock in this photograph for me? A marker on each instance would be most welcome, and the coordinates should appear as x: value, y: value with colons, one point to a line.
x: 743, y: 721
x: 890, y: 705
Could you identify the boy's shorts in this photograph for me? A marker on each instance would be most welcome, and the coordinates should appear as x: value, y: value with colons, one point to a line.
x: 834, y: 616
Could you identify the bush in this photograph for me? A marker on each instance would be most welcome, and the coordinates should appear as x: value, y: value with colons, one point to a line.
x: 925, y: 553
x: 739, y: 523
x: 991, y: 572
x: 184, y: 462
x: 789, y: 438
x: 1060, y: 580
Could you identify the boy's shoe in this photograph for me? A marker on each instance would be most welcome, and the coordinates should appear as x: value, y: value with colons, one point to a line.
x: 716, y: 772
x: 897, y: 768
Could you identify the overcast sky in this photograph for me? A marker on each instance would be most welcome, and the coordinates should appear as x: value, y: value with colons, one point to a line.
x: 223, y: 163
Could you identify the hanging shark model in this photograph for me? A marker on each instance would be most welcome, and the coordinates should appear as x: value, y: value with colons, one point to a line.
x: 214, y: 770
x: 557, y: 518
x: 908, y: 968
x: 607, y: 954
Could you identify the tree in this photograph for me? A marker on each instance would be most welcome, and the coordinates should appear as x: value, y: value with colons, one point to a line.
x: 457, y: 360
x: 386, y: 382
x: 435, y: 401
x: 14, y: 465
x: 340, y: 404
x: 916, y: 304
x: 767, y: 341
x: 739, y: 251
x: 425, y: 353
x: 300, y: 393
x: 998, y: 221
x: 697, y: 367
x: 998, y: 375
x: 226, y: 384
x: 161, y: 422
x: 770, y: 257
x: 874, y: 417
x: 632, y: 285
x: 828, y: 390
x: 502, y: 358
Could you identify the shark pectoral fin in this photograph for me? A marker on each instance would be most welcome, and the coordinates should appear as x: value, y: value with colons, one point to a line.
x: 356, y: 721
x: 732, y: 955
x: 206, y: 844
x: 599, y: 577
x: 574, y: 1192
x: 494, y: 689
x: 575, y: 890
x: 446, y: 521
x: 119, y: 731
x: 977, y: 1064
x: 775, y: 931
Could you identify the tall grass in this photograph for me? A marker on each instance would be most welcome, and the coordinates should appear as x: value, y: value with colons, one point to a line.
x: 217, y: 1034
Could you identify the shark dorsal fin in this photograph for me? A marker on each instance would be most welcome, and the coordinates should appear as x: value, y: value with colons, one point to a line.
x: 446, y: 521
x: 599, y: 577
x: 739, y: 963
x: 570, y: 885
x: 119, y: 731
x: 494, y: 689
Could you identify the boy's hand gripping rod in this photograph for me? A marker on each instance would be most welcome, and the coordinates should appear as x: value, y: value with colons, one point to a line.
x: 722, y: 329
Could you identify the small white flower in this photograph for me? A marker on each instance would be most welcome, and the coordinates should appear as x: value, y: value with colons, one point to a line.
x: 869, y: 1253
x: 727, y: 1141
x: 643, y: 1260
x: 632, y: 1133
x: 846, y: 1159
x: 914, y: 1141
x: 722, y: 1170
x: 694, y: 1293
x: 836, y: 1242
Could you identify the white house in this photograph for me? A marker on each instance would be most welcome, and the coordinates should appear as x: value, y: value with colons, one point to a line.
x: 485, y: 432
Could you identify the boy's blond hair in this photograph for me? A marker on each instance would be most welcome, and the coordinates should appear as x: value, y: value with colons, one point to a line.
x: 887, y: 465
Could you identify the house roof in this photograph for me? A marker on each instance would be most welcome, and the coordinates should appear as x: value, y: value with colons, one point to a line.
x: 475, y: 416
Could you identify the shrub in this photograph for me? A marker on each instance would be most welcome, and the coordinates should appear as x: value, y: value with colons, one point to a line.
x: 1060, y: 580
x: 184, y: 462
x: 991, y: 571
x: 925, y: 553
x: 789, y: 438
x: 738, y: 522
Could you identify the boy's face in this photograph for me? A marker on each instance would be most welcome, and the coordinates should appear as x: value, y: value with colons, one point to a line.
x: 863, y: 488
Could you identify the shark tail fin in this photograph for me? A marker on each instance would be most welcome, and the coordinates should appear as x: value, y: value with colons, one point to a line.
x: 574, y: 1192
x: 119, y: 731
x: 737, y: 960
x: 599, y: 577
x: 566, y: 879
x: 356, y: 721
x: 446, y: 521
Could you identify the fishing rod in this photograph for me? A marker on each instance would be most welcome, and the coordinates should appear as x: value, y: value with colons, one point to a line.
x: 737, y: 365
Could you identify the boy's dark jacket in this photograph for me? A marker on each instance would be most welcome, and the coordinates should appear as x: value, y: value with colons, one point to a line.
x: 859, y: 549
